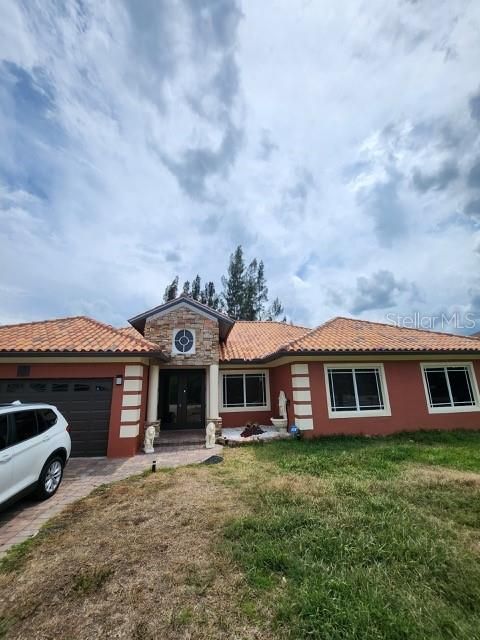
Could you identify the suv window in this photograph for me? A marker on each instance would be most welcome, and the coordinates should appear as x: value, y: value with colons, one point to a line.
x: 25, y: 426
x: 3, y: 431
x: 46, y: 419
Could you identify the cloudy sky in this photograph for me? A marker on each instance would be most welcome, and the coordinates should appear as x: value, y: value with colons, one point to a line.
x: 340, y: 142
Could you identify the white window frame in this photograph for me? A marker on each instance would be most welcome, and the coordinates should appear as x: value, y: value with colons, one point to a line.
x: 357, y: 413
x: 244, y: 408
x: 473, y: 379
x: 192, y: 351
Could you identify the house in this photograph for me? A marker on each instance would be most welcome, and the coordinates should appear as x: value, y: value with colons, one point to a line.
x: 187, y: 364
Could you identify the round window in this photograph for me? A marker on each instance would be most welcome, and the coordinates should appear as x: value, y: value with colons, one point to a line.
x: 184, y: 341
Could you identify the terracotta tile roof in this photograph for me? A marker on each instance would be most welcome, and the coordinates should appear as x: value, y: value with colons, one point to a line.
x: 266, y: 340
x: 71, y: 335
x: 130, y: 331
x: 347, y: 334
x: 246, y: 341
x: 251, y: 340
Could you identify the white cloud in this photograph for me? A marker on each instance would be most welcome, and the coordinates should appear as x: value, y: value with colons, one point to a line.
x: 138, y: 132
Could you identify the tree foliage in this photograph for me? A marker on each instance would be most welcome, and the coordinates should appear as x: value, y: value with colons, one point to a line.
x: 171, y: 290
x: 244, y: 295
x: 275, y: 310
x: 233, y: 285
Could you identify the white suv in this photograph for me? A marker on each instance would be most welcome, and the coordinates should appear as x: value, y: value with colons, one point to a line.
x: 34, y: 449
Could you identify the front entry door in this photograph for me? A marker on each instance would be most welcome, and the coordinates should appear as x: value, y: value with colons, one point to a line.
x: 182, y: 399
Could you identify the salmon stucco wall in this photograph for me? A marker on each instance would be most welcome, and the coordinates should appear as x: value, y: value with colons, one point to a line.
x: 280, y: 379
x: 127, y: 434
x: 408, y: 405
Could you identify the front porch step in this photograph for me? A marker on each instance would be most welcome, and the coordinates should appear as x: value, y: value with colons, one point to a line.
x: 180, y: 437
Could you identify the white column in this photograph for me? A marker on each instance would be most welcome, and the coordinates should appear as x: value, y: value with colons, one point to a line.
x: 152, y: 407
x: 213, y: 389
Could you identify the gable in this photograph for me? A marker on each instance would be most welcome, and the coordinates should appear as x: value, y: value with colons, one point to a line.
x: 190, y: 336
x: 224, y: 322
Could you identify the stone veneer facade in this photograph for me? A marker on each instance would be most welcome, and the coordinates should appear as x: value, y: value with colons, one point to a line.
x: 160, y: 329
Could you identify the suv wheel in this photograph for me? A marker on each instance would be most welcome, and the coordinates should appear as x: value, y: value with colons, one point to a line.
x: 50, y: 477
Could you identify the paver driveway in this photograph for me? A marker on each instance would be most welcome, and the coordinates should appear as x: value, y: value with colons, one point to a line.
x: 24, y: 518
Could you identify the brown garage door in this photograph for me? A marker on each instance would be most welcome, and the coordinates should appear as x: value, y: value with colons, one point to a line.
x: 85, y: 403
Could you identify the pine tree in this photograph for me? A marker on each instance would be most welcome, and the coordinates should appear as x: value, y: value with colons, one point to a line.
x: 261, y: 292
x: 171, y: 290
x: 245, y: 291
x: 196, y: 287
x: 209, y: 296
x: 250, y: 292
x: 234, y: 285
x: 276, y: 309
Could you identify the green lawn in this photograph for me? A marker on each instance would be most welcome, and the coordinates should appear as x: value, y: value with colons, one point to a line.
x: 335, y: 539
x: 366, y: 537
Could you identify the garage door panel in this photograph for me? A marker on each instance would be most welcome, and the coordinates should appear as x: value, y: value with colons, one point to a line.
x: 85, y: 403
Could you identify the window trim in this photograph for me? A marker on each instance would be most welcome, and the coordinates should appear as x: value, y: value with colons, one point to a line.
x: 371, y: 413
x: 192, y: 351
x: 473, y: 379
x: 244, y: 408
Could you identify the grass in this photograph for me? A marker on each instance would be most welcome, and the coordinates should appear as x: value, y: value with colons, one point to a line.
x: 338, y: 539
x: 91, y: 580
x: 365, y: 458
x: 16, y: 556
x: 134, y: 559
x: 360, y: 541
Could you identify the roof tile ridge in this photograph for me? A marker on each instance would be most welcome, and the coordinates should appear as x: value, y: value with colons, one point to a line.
x: 139, y: 339
x: 32, y: 322
x: 394, y: 326
x: 279, y: 322
x: 291, y: 343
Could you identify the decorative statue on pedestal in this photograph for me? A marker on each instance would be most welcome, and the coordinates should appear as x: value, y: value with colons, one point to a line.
x: 282, y: 404
x: 148, y: 441
x: 210, y: 436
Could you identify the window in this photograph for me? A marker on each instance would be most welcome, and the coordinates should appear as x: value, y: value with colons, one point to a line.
x: 25, y: 426
x: 233, y: 391
x: 450, y: 387
x: 355, y: 391
x: 46, y: 419
x: 38, y: 387
x: 245, y: 390
x: 81, y: 386
x: 13, y: 387
x: 59, y: 387
x: 255, y: 390
x: 3, y: 432
x: 184, y: 341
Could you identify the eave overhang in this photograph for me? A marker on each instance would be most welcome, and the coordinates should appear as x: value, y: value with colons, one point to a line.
x: 225, y: 323
x: 159, y: 355
x: 354, y: 353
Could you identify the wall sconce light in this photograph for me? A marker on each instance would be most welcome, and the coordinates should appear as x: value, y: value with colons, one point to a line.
x: 119, y: 379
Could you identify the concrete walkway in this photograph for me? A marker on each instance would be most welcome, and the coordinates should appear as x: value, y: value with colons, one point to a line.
x: 24, y: 518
